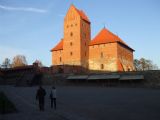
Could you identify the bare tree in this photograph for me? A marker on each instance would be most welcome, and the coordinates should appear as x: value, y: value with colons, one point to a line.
x: 137, y: 64
x: 144, y: 64
x: 155, y: 67
x: 6, y: 63
x: 19, y: 60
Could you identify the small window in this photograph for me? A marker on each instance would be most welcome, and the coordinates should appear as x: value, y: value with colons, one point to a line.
x: 71, y: 53
x: 102, y: 66
x: 84, y: 35
x: 67, y: 26
x: 71, y: 43
x: 101, y: 54
x: 76, y: 24
x: 71, y: 25
x: 60, y: 59
x: 71, y: 34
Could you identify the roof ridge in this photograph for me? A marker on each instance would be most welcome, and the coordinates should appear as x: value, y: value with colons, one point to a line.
x: 106, y: 36
x: 81, y: 13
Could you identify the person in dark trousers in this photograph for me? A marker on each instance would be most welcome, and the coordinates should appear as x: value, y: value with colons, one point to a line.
x: 53, y: 97
x: 40, y: 96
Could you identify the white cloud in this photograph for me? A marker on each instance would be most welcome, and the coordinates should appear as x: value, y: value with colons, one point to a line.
x: 22, y: 9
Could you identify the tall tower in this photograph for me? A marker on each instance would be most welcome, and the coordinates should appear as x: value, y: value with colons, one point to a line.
x: 76, y: 38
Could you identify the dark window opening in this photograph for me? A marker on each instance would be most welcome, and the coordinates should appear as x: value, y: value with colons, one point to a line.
x: 101, y: 54
x: 102, y: 66
x: 71, y: 53
x: 84, y: 35
x: 71, y: 34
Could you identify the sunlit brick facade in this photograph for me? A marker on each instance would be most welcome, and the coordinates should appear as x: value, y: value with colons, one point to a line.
x: 106, y: 52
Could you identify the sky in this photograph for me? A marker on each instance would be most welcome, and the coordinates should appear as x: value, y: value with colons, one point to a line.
x: 33, y: 27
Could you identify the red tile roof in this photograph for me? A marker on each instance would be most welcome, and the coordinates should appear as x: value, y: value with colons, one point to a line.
x: 59, y: 46
x: 105, y: 36
x: 82, y: 14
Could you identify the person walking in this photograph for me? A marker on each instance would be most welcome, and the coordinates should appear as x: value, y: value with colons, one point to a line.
x: 53, y: 97
x: 40, y: 96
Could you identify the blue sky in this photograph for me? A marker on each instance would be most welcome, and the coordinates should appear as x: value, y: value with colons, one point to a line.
x: 33, y: 27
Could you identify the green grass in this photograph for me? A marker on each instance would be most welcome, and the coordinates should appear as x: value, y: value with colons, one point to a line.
x: 6, y: 106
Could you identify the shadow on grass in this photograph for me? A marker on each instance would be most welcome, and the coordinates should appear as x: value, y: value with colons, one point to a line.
x: 6, y: 106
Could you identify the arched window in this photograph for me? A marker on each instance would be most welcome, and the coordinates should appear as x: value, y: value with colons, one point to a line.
x: 71, y: 43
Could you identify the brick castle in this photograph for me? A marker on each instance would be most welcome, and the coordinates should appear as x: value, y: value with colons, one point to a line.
x: 76, y: 52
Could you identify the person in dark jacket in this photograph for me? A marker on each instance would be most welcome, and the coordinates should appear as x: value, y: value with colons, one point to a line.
x: 53, y: 97
x: 40, y: 96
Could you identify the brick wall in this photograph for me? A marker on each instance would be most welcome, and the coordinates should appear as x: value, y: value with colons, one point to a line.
x: 105, y: 54
x: 77, y: 52
x: 125, y: 58
x: 57, y: 57
x: 76, y: 39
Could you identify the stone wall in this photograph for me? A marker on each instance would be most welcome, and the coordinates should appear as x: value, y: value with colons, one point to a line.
x: 151, y: 78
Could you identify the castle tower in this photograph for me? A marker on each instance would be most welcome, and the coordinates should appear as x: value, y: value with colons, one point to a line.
x: 76, y: 38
